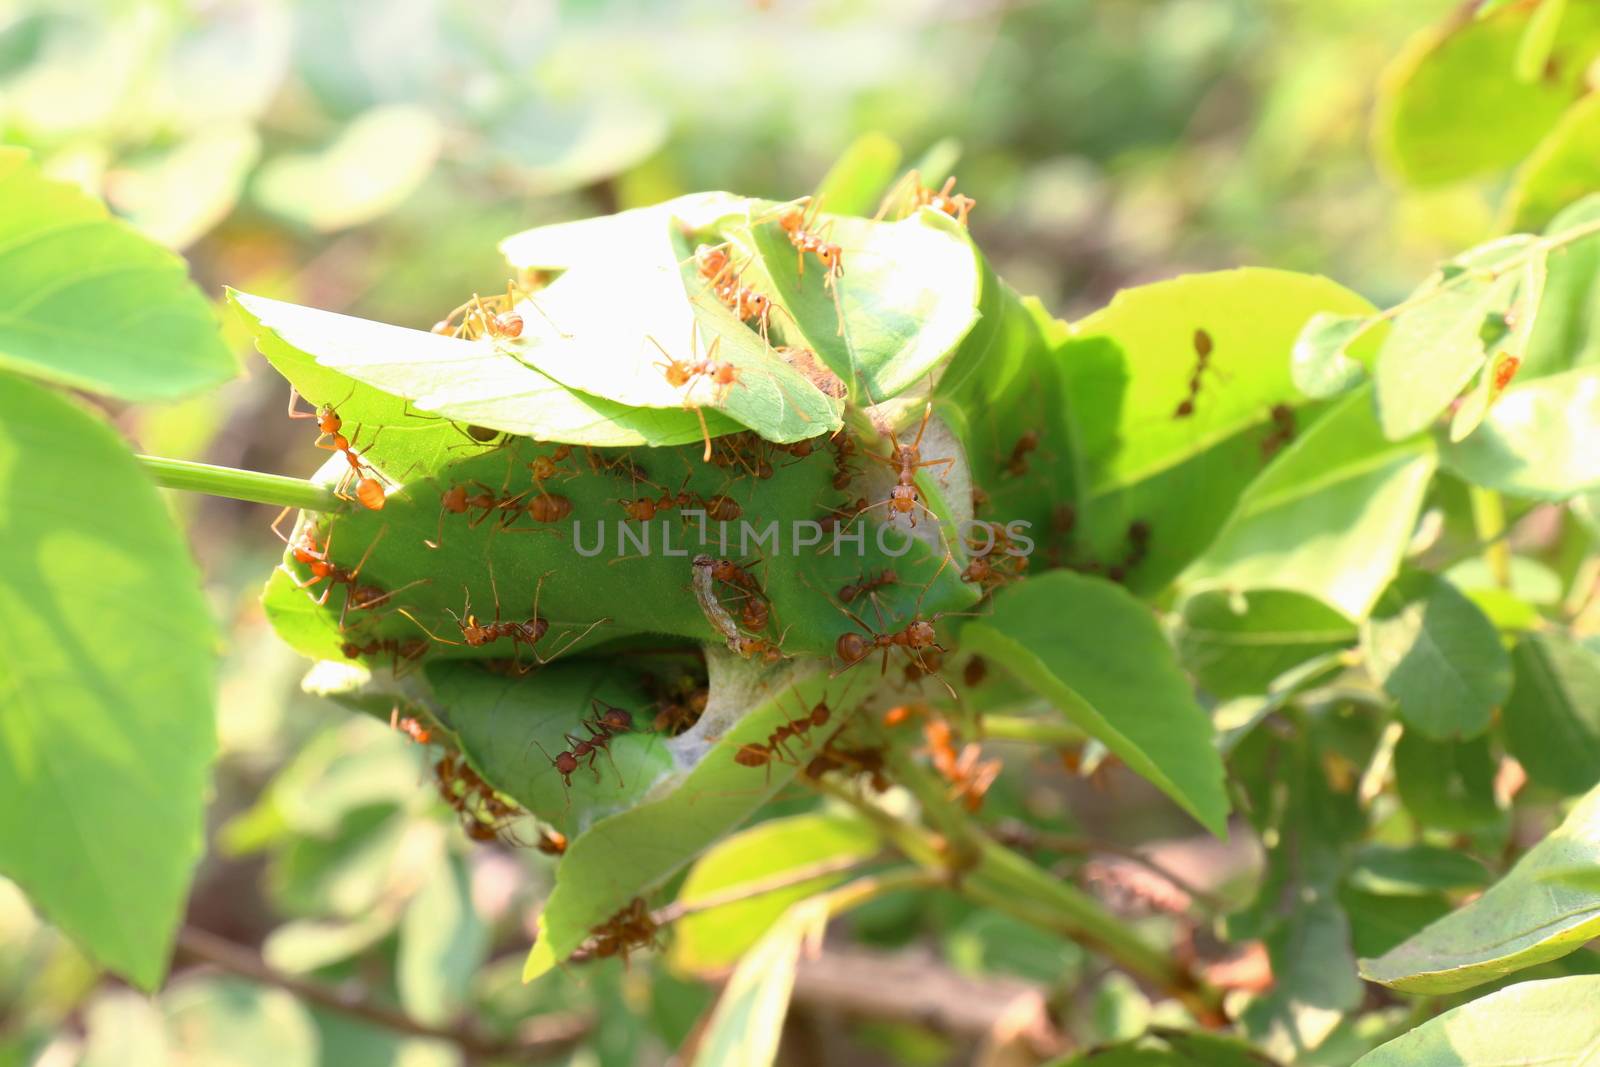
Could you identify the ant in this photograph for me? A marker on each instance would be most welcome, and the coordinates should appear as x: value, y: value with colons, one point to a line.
x: 551, y: 842
x: 797, y: 223
x: 860, y: 762
x: 684, y: 373
x: 907, y: 459
x: 408, y: 650
x: 477, y: 634
x: 945, y: 199
x: 1202, y: 353
x: 757, y: 754
x: 322, y: 568
x: 1017, y: 465
x: 1282, y: 432
x: 369, y: 488
x: 457, y: 501
x: 867, y: 584
x: 631, y: 928
x: 716, y: 269
x: 545, y: 468
x: 495, y: 317
x: 410, y: 727
x: 969, y: 779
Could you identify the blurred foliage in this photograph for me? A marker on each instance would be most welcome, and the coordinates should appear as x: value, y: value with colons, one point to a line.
x: 366, y: 157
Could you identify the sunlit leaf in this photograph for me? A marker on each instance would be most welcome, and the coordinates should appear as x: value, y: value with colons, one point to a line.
x: 1527, y: 917
x: 1238, y: 645
x: 1553, y: 1020
x: 1537, y: 440
x: 1096, y: 653
x: 108, y: 672
x: 85, y: 301
x: 1330, y: 518
x: 1437, y: 655
x: 716, y: 938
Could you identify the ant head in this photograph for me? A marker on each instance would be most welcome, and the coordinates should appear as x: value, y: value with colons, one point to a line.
x: 920, y: 634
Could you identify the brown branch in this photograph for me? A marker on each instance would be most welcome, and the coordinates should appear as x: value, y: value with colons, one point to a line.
x: 733, y: 894
x: 1019, y: 836
x: 543, y: 1037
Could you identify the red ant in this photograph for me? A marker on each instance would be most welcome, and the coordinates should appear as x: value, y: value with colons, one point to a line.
x: 551, y: 842
x: 1282, y: 432
x: 545, y: 468
x: 867, y: 584
x: 684, y: 373
x: 410, y: 727
x: 1017, y: 465
x: 495, y: 317
x: 631, y: 928
x: 477, y: 634
x: 907, y: 459
x: 369, y: 488
x: 969, y: 779
x: 1505, y: 369
x: 716, y: 269
x: 945, y: 199
x: 322, y: 568
x: 408, y: 650
x: 1202, y: 353
x: 757, y: 754
x: 805, y: 238
x: 457, y: 501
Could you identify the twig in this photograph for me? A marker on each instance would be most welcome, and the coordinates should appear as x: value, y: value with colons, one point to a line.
x: 544, y: 1037
x: 733, y: 894
x: 1020, y: 836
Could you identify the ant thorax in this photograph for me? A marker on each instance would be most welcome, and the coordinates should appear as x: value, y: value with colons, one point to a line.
x: 942, y: 465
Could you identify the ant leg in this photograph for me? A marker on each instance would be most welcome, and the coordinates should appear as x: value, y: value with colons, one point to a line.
x: 424, y: 629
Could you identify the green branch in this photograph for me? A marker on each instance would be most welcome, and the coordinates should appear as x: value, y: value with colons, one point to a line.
x: 253, y: 486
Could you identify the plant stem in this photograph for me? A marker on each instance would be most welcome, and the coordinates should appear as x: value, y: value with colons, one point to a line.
x: 253, y: 486
x: 1045, y: 732
x: 1489, y: 521
x: 985, y: 871
x: 540, y: 1038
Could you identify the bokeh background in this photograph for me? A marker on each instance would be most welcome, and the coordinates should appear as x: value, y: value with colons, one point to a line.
x: 366, y: 156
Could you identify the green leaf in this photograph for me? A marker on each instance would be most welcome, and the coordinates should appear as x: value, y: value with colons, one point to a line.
x: 374, y: 164
x: 573, y: 332
x: 748, y: 1020
x: 860, y: 175
x: 1553, y: 1020
x: 1417, y: 870
x: 1322, y: 363
x: 908, y: 294
x: 1436, y: 343
x: 1330, y: 518
x: 1449, y: 784
x: 108, y: 671
x: 1537, y: 440
x: 1437, y: 655
x: 709, y: 940
x: 620, y: 856
x: 1552, y: 718
x: 1447, y: 108
x: 1097, y: 653
x: 1506, y: 348
x: 469, y: 381
x: 1237, y: 646
x: 1128, y: 368
x: 1380, y: 921
x: 443, y: 943
x: 1296, y: 911
x: 1564, y: 335
x: 1561, y: 171
x: 1528, y: 917
x: 87, y: 302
